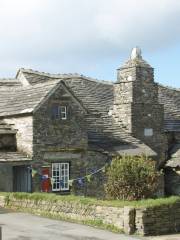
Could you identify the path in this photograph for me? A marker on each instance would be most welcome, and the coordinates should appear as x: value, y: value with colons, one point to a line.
x: 23, y: 226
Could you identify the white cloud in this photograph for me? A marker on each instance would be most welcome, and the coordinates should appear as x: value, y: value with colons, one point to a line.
x: 63, y: 32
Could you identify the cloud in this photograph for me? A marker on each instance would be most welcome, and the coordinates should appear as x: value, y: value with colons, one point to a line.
x: 68, y: 33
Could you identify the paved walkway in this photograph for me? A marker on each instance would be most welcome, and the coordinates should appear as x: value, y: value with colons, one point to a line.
x: 22, y: 226
x: 166, y: 237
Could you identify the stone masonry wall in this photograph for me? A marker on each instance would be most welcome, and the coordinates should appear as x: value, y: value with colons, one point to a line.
x: 122, y: 218
x: 151, y: 221
x: 57, y: 140
x: 158, y: 220
x: 24, y: 135
x: 150, y: 116
x: 136, y: 107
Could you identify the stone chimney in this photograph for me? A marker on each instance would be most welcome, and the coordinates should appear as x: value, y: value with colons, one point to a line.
x: 136, y: 105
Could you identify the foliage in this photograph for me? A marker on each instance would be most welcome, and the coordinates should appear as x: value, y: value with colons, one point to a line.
x: 131, y: 178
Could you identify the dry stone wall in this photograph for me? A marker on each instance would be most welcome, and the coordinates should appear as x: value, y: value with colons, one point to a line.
x: 155, y: 220
x: 122, y: 218
x: 158, y: 220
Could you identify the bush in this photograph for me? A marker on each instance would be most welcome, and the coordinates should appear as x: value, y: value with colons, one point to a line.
x: 131, y: 178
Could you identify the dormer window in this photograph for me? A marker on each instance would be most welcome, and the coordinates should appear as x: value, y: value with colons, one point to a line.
x: 59, y: 112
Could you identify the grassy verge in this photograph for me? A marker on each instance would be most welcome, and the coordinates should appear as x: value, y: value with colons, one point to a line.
x: 93, y: 201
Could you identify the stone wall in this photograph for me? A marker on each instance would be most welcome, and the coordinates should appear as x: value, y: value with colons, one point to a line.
x: 122, y: 218
x: 57, y: 140
x: 158, y: 220
x: 151, y: 221
x: 24, y: 135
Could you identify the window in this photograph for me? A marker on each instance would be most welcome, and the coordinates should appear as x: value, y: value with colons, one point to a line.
x: 59, y: 112
x: 63, y: 112
x: 60, y: 175
x: 55, y: 112
x: 148, y: 132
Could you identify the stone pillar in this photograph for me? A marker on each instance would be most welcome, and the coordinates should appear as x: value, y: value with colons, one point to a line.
x: 2, y: 201
x: 129, y: 220
x: 136, y: 105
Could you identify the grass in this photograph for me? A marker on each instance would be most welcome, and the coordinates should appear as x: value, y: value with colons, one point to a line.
x: 93, y: 201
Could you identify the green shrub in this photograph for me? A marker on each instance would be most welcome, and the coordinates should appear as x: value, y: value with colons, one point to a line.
x: 131, y: 178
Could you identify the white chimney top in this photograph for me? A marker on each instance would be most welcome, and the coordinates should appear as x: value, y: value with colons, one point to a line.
x: 136, y: 53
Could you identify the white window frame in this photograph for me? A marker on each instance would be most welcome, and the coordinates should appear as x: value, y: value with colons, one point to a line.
x: 60, y: 172
x: 63, y: 112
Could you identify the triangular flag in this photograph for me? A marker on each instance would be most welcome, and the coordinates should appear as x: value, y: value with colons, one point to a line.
x: 52, y: 181
x: 70, y: 182
x: 34, y: 172
x: 103, y: 169
x: 88, y: 177
x: 80, y: 181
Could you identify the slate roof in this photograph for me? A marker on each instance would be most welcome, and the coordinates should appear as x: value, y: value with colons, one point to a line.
x: 23, y: 99
x: 96, y: 96
x: 11, y: 82
x: 170, y: 97
x: 8, y: 157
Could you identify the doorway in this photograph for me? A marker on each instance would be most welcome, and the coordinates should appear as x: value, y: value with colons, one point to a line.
x: 22, y: 181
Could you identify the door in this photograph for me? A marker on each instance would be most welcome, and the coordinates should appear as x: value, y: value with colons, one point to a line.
x: 22, y: 179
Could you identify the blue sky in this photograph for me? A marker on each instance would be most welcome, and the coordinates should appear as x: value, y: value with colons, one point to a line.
x: 91, y: 37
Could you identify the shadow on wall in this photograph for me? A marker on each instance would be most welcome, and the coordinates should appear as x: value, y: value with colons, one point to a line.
x: 172, y: 181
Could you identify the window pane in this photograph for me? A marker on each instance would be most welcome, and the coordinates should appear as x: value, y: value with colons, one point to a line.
x: 55, y: 112
x: 148, y: 132
x: 60, y: 175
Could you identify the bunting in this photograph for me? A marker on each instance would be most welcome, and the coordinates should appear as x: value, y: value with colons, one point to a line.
x: 88, y: 177
x: 33, y: 173
x: 79, y: 180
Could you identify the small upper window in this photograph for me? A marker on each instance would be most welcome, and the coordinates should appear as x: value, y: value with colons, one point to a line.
x: 63, y: 113
x: 148, y: 132
x: 59, y: 112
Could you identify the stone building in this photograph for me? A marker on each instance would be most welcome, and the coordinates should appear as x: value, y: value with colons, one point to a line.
x: 62, y: 127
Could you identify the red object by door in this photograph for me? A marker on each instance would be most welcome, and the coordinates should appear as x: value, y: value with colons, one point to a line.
x: 45, y: 180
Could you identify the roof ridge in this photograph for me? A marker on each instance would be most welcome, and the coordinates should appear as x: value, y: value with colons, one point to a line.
x: 11, y: 79
x: 168, y: 87
x: 64, y: 75
x: 22, y: 87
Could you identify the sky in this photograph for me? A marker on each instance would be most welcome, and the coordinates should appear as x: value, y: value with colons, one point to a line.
x: 90, y: 37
